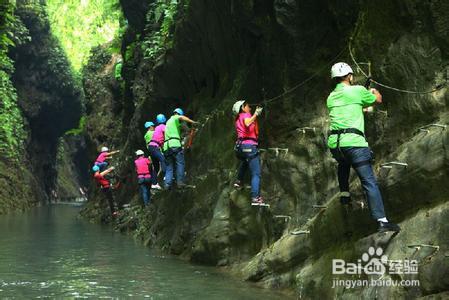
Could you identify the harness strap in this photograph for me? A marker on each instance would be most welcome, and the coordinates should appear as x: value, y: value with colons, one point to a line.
x: 172, y: 138
x: 241, y: 139
x: 339, y: 132
x: 158, y: 143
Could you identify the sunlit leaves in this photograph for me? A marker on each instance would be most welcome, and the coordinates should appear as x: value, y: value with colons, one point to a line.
x: 82, y: 25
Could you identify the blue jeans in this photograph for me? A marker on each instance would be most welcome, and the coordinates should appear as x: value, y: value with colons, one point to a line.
x: 158, y: 160
x: 174, y: 158
x: 102, y: 165
x: 249, y: 156
x: 360, y: 159
x: 144, y: 184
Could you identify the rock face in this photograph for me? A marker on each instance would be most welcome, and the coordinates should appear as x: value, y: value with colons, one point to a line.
x: 210, y: 53
x: 47, y: 103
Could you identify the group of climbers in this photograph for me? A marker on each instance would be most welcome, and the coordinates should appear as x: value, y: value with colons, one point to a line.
x: 166, y: 158
x: 347, y: 144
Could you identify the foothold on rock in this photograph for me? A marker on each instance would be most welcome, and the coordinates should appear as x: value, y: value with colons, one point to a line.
x: 299, y: 232
x: 320, y: 206
x: 390, y: 164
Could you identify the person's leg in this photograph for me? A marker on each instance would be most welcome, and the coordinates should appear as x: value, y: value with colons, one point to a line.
x: 143, y: 190
x: 180, y: 166
x: 344, y: 169
x: 361, y: 162
x: 254, y: 167
x: 243, y: 167
x: 169, y: 170
x: 147, y: 184
x: 154, y: 164
x: 102, y: 166
x: 161, y: 159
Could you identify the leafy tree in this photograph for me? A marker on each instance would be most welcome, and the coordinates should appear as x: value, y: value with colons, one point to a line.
x: 81, y: 25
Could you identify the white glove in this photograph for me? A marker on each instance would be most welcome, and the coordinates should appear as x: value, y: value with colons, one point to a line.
x: 258, y: 111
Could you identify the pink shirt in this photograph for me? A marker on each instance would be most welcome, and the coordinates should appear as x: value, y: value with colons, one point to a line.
x: 158, y: 136
x: 244, y: 131
x: 102, y: 157
x: 143, y: 167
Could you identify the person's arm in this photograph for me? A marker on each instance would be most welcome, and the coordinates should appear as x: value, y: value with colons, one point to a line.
x: 107, y: 171
x: 249, y: 121
x: 378, y: 95
x: 186, y: 119
x: 113, y: 152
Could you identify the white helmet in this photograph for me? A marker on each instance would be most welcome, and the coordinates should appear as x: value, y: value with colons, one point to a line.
x: 104, y: 149
x: 139, y: 152
x: 340, y: 69
x: 237, y: 106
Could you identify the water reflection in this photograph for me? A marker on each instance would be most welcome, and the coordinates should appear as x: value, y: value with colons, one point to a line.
x: 50, y: 252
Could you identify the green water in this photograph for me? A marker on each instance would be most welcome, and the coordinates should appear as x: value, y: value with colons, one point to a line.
x: 50, y: 252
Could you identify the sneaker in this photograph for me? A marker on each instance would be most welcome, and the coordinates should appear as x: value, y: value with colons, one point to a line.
x: 238, y: 184
x: 156, y: 186
x: 181, y: 185
x: 257, y: 200
x: 388, y: 226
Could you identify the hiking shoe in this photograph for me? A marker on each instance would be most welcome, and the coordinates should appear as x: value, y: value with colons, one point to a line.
x: 388, y: 226
x: 238, y: 184
x: 156, y: 186
x: 181, y: 185
x: 257, y: 200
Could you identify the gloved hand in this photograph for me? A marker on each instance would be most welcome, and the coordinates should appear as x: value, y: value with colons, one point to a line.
x: 258, y: 111
x: 369, y: 109
x: 112, y: 168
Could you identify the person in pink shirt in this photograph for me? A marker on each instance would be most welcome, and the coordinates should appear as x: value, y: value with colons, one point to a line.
x: 246, y: 147
x: 155, y: 145
x: 143, y: 165
x: 102, y: 158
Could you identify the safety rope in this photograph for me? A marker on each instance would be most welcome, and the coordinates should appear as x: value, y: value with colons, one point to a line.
x: 278, y: 97
x: 439, y: 87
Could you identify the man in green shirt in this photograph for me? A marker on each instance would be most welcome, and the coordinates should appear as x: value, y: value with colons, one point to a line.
x: 173, y: 152
x: 347, y: 141
x: 149, y: 126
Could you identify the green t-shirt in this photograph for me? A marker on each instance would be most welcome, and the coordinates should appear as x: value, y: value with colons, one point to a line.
x: 148, y: 136
x: 345, y: 105
x: 172, y: 133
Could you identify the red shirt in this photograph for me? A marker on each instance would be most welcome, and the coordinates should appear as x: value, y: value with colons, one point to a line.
x: 102, y: 157
x: 143, y: 167
x: 101, y: 180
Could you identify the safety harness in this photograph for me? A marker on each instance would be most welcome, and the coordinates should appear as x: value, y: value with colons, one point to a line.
x: 158, y: 143
x: 172, y: 138
x: 339, y: 132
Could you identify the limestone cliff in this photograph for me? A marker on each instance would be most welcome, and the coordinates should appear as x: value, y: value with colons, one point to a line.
x: 41, y: 101
x: 203, y: 55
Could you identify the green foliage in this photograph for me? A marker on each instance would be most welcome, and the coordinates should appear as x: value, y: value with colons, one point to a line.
x: 80, y: 129
x: 161, y: 16
x: 6, y: 19
x: 12, y: 134
x: 80, y: 26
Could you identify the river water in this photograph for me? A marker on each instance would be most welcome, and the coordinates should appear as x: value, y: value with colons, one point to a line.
x: 51, y: 252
